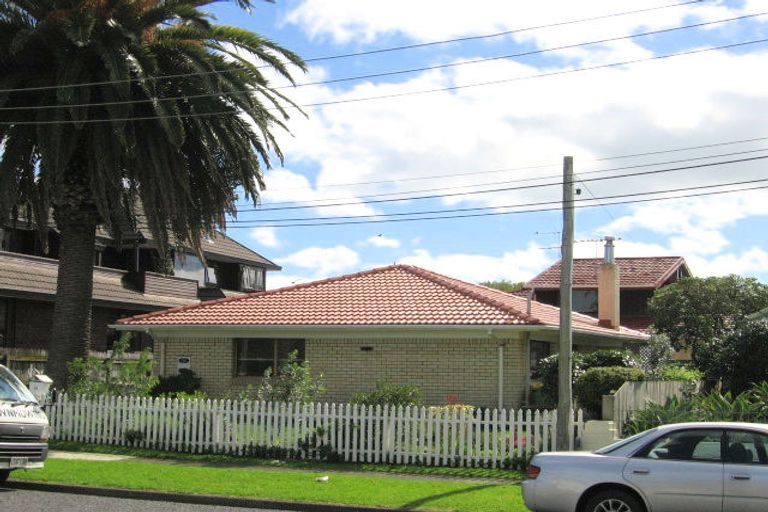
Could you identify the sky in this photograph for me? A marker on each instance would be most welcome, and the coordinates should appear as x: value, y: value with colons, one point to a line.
x: 668, y: 132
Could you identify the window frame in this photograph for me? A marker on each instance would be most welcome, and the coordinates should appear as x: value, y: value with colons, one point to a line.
x: 728, y: 439
x: 646, y: 449
x: 275, y: 361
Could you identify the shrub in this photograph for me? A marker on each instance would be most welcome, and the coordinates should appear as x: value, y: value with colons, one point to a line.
x: 390, y: 394
x: 739, y: 359
x: 446, y: 411
x: 676, y: 372
x: 293, y: 382
x: 92, y: 376
x: 590, y: 387
x: 547, y: 369
x: 174, y: 386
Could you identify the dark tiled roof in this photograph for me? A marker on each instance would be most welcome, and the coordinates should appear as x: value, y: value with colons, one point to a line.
x: 22, y: 275
x: 397, y: 295
x: 639, y: 273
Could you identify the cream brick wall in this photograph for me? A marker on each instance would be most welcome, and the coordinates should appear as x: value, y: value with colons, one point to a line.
x: 467, y: 368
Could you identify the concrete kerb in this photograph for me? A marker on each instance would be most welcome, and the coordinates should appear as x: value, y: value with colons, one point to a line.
x: 192, y: 499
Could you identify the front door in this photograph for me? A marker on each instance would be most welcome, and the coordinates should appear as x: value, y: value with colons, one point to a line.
x: 680, y: 472
x: 746, y: 472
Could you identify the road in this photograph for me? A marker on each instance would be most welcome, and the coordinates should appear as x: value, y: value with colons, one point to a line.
x: 18, y: 500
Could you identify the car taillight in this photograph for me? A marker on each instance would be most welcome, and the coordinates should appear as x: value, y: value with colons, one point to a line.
x: 533, y: 472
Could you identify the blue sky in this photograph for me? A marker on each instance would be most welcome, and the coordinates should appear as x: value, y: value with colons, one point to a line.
x: 477, y: 137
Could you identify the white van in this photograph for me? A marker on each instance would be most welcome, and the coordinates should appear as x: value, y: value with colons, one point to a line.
x: 24, y: 428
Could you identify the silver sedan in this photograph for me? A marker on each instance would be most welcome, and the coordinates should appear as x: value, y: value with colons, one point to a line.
x: 701, y: 467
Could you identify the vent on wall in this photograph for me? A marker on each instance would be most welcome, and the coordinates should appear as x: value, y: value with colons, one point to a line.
x: 366, y: 349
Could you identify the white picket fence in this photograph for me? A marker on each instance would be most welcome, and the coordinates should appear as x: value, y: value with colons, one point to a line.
x: 402, y: 435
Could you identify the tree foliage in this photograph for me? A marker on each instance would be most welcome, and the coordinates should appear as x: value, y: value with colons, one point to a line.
x: 595, y: 382
x: 739, y: 359
x: 504, y: 285
x: 698, y: 312
x: 103, y: 103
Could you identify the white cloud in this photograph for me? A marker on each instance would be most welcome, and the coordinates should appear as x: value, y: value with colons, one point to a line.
x: 266, y: 237
x: 321, y: 261
x: 383, y: 241
x: 515, y: 266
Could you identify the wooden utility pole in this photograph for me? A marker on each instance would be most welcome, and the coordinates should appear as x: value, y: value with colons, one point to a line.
x: 564, y: 403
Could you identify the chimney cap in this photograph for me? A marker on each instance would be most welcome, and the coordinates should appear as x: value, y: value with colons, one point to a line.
x: 609, y: 249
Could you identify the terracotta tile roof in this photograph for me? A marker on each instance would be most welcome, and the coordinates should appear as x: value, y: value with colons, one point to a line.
x: 639, y: 273
x: 23, y: 275
x: 397, y: 295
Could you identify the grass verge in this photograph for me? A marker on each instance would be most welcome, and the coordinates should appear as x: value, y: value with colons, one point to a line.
x: 401, y: 469
x: 362, y: 490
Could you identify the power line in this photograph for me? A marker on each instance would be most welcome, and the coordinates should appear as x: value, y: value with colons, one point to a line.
x: 370, y: 52
x: 503, y: 182
x: 153, y: 99
x: 539, y: 166
x: 486, y: 208
x: 554, y: 208
x: 507, y: 189
x: 405, y: 94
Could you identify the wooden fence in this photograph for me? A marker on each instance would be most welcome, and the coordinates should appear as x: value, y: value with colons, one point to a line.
x: 402, y: 435
x: 633, y: 396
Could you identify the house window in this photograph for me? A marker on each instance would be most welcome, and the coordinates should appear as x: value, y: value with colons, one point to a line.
x: 190, y: 267
x: 254, y: 355
x: 251, y: 278
x: 539, y: 350
x: 585, y: 301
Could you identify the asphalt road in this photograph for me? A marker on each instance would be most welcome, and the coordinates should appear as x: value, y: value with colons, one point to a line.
x: 19, y: 500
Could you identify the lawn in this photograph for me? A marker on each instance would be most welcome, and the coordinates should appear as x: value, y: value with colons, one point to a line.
x: 351, y: 489
x: 403, y: 469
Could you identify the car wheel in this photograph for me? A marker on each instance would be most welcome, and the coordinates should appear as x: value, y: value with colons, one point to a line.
x: 613, y: 501
x: 4, y: 476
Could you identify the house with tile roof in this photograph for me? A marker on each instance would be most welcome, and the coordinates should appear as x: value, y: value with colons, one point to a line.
x: 129, y: 279
x: 401, y: 324
x: 638, y: 278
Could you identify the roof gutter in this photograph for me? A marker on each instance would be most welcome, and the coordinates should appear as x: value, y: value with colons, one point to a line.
x: 477, y: 330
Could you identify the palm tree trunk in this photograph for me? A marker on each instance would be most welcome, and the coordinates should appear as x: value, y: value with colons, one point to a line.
x: 76, y: 218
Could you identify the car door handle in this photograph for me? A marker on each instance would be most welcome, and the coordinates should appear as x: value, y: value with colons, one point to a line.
x: 741, y: 477
x: 641, y: 471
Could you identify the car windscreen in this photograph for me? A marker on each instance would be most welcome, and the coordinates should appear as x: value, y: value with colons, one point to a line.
x: 11, y: 388
x: 623, y: 442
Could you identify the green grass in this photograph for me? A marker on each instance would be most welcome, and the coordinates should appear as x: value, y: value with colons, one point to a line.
x: 401, y: 469
x: 356, y: 489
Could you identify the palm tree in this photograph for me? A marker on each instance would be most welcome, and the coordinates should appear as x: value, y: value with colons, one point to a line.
x: 106, y: 102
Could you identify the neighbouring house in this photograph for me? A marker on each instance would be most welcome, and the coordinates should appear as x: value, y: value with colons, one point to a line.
x: 459, y: 342
x: 129, y: 279
x: 598, y: 281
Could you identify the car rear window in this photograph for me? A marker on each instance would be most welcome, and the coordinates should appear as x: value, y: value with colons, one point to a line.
x: 623, y: 442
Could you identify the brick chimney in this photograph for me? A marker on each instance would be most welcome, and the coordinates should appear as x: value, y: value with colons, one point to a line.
x: 608, y: 288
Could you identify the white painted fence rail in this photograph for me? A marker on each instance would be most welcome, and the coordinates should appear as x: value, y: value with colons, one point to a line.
x: 402, y: 435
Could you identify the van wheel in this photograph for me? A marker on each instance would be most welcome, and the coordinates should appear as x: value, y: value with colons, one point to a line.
x: 613, y: 501
x: 4, y: 476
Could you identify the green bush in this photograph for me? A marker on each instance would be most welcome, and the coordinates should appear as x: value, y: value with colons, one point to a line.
x: 547, y: 369
x: 590, y: 387
x: 293, y: 383
x: 390, y: 394
x: 184, y: 384
x: 676, y: 372
x: 93, y: 377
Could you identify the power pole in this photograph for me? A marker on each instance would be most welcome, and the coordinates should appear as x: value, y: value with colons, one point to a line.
x: 564, y: 403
